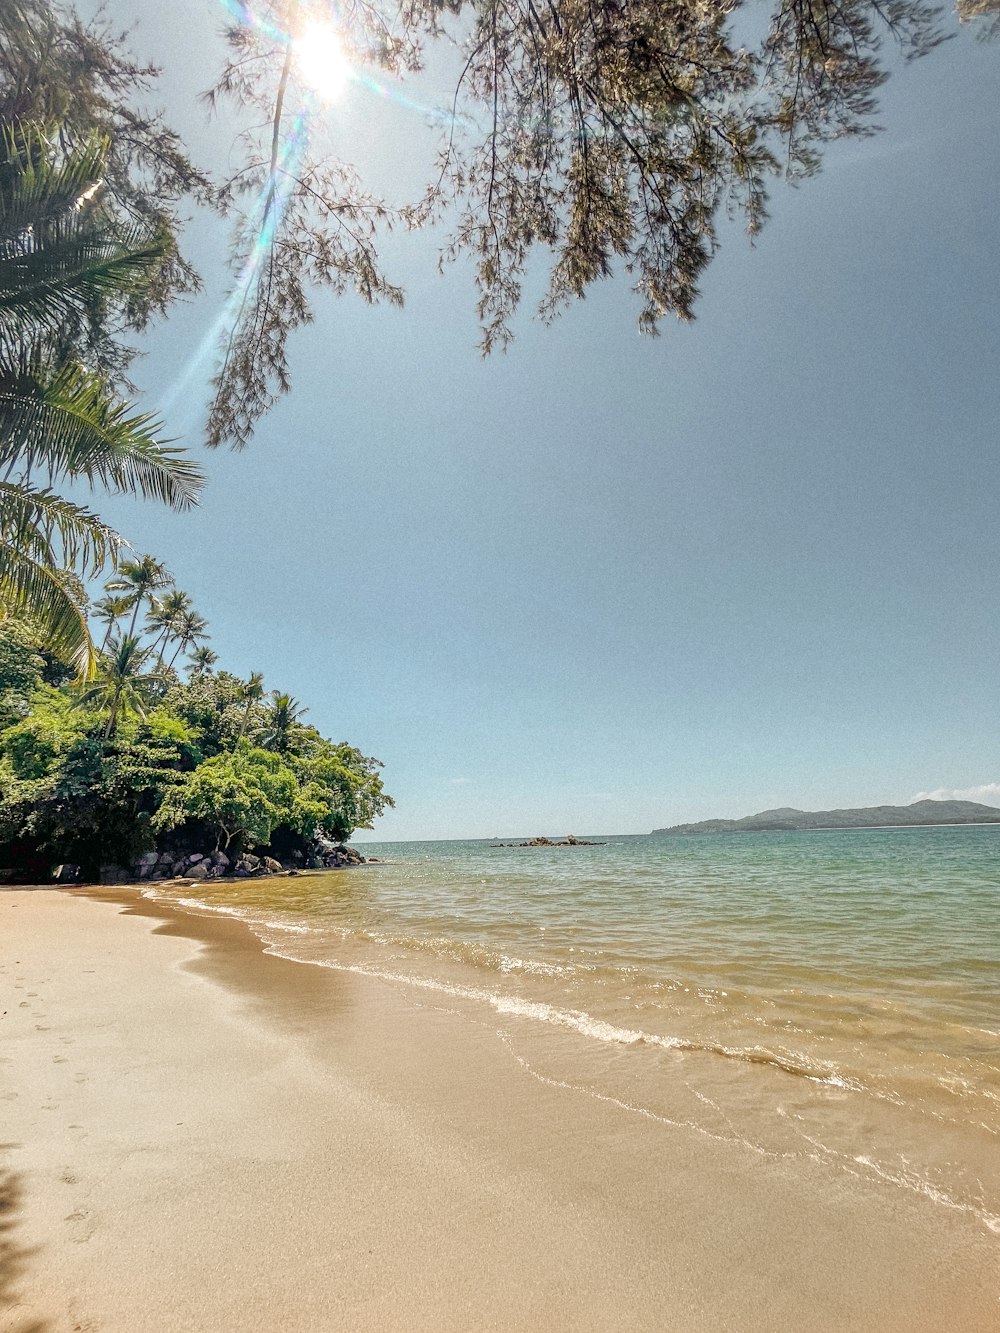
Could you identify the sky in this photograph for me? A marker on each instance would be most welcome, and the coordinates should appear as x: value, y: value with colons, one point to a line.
x: 605, y: 583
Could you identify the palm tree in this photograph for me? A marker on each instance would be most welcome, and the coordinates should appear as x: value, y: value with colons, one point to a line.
x: 282, y: 722
x: 202, y: 661
x: 253, y: 692
x: 109, y: 610
x: 190, y: 628
x: 163, y: 617
x: 139, y: 579
x: 120, y: 686
x: 62, y: 264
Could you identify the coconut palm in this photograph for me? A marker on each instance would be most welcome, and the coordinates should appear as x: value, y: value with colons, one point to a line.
x: 163, y: 617
x: 139, y: 579
x: 282, y: 722
x: 62, y: 264
x: 190, y: 628
x: 120, y: 686
x: 253, y: 692
x: 202, y: 661
x: 109, y: 610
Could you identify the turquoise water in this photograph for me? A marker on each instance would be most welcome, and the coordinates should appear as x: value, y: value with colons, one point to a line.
x: 835, y: 993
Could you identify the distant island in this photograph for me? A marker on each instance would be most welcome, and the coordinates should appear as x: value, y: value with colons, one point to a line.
x: 547, y: 842
x: 874, y: 816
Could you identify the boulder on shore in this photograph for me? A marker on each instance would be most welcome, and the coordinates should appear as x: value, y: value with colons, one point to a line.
x: 114, y: 874
x: 195, y: 865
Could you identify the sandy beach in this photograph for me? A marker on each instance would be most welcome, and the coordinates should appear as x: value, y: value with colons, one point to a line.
x: 197, y: 1136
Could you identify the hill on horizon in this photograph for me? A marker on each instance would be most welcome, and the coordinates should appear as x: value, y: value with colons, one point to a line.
x: 786, y: 818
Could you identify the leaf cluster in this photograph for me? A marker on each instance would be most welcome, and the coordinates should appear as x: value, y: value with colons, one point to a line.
x: 58, y: 69
x: 604, y: 136
x: 610, y: 135
x: 183, y: 754
x: 62, y: 260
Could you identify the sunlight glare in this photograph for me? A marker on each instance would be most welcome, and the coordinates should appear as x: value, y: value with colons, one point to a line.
x: 321, y: 60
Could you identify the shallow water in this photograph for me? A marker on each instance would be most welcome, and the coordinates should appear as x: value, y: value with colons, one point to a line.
x: 831, y: 997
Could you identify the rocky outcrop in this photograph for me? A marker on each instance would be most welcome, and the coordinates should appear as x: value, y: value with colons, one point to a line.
x: 214, y: 865
x: 341, y: 856
x: 569, y: 841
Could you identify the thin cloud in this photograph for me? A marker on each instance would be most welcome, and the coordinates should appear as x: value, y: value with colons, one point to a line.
x: 987, y: 792
x: 458, y: 782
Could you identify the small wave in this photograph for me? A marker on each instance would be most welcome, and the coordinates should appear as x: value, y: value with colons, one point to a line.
x: 600, y: 1029
x: 468, y: 952
x: 920, y: 1185
x: 244, y: 914
x: 210, y: 907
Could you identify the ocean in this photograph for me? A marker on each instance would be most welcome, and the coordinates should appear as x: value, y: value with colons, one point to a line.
x: 831, y: 997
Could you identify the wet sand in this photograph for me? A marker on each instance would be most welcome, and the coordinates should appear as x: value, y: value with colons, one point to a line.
x: 197, y: 1136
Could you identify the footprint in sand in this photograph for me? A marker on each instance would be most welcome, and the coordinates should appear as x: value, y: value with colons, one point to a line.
x: 68, y: 1178
x: 81, y: 1324
x: 82, y: 1225
x: 60, y: 1059
x: 81, y: 1078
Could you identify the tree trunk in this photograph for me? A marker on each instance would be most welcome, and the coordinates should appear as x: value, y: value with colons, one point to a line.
x: 109, y: 730
x: 140, y: 597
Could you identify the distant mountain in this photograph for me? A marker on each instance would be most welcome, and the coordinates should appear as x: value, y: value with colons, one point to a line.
x: 874, y: 816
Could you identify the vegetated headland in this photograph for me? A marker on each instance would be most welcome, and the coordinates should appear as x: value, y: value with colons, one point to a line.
x: 145, y: 773
x: 787, y: 819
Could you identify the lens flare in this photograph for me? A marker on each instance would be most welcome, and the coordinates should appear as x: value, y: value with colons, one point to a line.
x: 321, y: 61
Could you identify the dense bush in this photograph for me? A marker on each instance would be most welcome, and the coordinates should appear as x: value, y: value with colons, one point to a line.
x: 188, y: 761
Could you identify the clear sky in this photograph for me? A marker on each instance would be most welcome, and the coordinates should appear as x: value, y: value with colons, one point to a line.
x: 606, y: 583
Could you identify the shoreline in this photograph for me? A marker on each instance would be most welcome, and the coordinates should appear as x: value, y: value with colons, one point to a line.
x: 308, y: 1149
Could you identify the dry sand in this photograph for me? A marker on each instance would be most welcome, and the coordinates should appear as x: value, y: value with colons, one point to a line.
x: 196, y: 1136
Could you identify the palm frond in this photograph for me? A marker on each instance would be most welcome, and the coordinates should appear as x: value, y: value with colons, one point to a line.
x: 68, y: 423
x: 61, y: 253
x: 37, y: 520
x: 38, y: 183
x: 36, y: 591
x: 55, y: 279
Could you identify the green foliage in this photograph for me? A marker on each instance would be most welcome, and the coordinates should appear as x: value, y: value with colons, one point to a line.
x: 79, y: 797
x: 120, y: 687
x: 243, y: 795
x: 56, y: 69
x: 163, y: 728
x: 98, y: 773
x: 600, y: 136
x: 283, y: 729
x: 22, y: 670
x: 214, y: 707
x: 35, y: 745
x: 346, y: 783
x: 62, y: 261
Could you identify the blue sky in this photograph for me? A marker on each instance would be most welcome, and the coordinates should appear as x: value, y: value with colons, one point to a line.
x: 605, y: 583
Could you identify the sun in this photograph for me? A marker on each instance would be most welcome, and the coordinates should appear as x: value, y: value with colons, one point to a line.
x: 322, y: 63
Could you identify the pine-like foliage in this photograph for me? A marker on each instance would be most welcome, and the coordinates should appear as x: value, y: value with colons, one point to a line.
x: 598, y: 136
